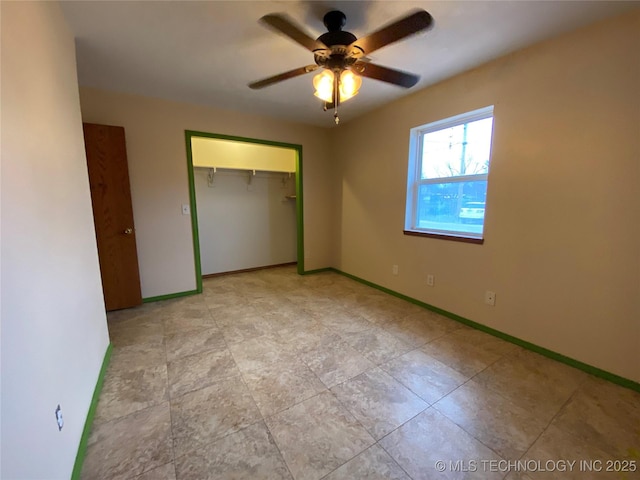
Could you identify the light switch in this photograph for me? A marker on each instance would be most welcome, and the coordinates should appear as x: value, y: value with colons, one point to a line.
x: 186, y: 209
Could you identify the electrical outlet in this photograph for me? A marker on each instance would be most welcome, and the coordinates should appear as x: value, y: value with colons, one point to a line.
x: 59, y: 418
x: 490, y: 298
x: 430, y: 280
x: 394, y: 269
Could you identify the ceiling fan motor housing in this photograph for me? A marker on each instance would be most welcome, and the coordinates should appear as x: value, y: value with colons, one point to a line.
x: 334, y: 21
x: 339, y: 54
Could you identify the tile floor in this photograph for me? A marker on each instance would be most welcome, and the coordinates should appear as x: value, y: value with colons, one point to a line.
x: 271, y: 375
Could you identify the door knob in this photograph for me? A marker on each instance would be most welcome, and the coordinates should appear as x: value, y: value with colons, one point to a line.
x: 128, y: 231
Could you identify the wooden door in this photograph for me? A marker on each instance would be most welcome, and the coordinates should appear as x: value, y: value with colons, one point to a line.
x: 113, y: 215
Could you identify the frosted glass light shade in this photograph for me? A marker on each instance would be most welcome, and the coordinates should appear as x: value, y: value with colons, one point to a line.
x: 324, y: 85
x: 349, y: 85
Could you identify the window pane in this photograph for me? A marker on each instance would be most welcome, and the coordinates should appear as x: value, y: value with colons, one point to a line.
x: 455, y: 207
x: 461, y: 150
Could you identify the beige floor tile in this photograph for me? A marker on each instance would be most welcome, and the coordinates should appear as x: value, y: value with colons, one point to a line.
x: 344, y: 322
x: 317, y: 436
x: 261, y: 348
x: 461, y: 353
x: 144, y: 329
x: 600, y: 413
x: 416, y: 330
x: 244, y: 327
x: 249, y: 454
x: 165, y: 472
x: 219, y: 297
x: 362, y: 301
x: 146, y: 310
x: 517, y: 475
x: 430, y: 438
x: 204, y: 415
x: 372, y: 464
x: 380, y: 312
x: 191, y: 373
x: 436, y: 320
x: 312, y: 337
x: 485, y: 342
x: 336, y: 362
x: 292, y: 317
x: 193, y: 341
x: 376, y: 344
x: 192, y: 320
x: 424, y: 375
x: 138, y: 355
x: 130, y: 445
x: 276, y: 377
x: 492, y: 419
x: 378, y: 402
x: 127, y: 390
x: 533, y: 382
x: 315, y: 304
x: 557, y: 448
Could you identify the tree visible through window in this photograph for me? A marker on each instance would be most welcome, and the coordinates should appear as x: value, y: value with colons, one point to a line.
x: 447, y: 178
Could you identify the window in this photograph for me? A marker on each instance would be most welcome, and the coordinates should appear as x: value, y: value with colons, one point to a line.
x: 447, y: 178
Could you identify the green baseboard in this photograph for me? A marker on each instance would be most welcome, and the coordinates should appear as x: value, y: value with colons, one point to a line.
x: 612, y: 377
x: 170, y: 295
x: 82, y: 448
x: 319, y: 270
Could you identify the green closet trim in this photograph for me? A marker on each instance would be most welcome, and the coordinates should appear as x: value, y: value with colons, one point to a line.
x: 612, y: 377
x: 192, y: 194
x: 194, y: 214
x: 84, y: 439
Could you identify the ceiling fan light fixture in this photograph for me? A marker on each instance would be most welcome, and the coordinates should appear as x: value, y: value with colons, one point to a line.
x: 349, y: 85
x: 323, y: 83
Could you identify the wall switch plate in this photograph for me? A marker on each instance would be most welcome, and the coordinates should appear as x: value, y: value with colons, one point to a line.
x: 394, y: 269
x: 186, y: 209
x: 490, y: 298
x: 430, y: 280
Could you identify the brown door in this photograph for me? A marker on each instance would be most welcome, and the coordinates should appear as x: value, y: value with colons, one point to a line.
x: 113, y: 215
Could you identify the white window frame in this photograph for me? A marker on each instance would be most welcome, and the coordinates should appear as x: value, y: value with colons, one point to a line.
x: 414, y: 180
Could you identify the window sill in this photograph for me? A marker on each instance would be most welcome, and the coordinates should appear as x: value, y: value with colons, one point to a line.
x: 445, y: 236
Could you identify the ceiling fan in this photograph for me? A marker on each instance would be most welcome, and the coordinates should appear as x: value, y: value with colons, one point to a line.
x: 341, y: 55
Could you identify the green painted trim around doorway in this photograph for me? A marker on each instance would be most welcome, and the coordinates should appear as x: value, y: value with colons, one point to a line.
x: 192, y: 194
x: 585, y: 367
x: 299, y: 211
x: 84, y: 439
x: 194, y: 212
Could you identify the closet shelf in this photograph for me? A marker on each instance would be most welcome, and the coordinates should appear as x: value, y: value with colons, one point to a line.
x: 254, y: 170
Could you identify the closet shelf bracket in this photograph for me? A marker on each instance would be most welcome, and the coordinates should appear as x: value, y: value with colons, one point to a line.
x: 211, y: 176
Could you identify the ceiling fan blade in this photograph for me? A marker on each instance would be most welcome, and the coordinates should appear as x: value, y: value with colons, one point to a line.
x: 284, y: 25
x: 282, y: 76
x: 403, y: 28
x: 384, y: 74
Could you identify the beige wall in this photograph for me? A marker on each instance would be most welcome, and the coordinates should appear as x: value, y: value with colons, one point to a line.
x: 159, y: 184
x: 54, y: 329
x: 563, y: 212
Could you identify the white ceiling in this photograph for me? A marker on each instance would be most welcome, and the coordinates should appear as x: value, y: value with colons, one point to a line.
x: 207, y: 52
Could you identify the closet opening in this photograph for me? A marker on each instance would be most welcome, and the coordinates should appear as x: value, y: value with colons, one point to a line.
x: 246, y: 203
